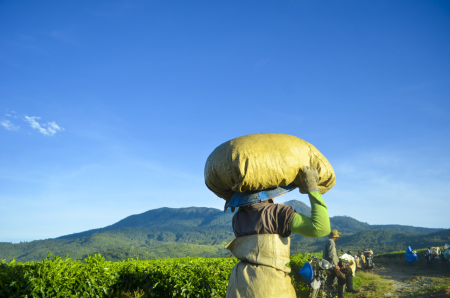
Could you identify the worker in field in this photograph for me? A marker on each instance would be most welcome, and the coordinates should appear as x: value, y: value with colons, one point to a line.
x: 262, y: 243
x: 445, y: 254
x: 429, y: 256
x: 343, y: 273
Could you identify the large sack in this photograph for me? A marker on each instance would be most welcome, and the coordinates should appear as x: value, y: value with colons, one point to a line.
x: 261, y: 161
x: 351, y: 261
x: 262, y: 271
x: 435, y: 251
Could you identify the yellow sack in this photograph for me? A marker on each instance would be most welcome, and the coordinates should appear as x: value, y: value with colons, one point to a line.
x: 358, y: 262
x: 352, y: 265
x: 363, y: 259
x: 262, y: 271
x: 261, y: 161
x: 434, y: 250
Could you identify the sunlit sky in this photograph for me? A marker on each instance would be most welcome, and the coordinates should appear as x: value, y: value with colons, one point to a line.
x: 111, y: 108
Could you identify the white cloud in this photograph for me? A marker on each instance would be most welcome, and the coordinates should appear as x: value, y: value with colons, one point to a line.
x: 53, y: 128
x: 8, y: 125
x: 48, y: 129
x: 11, y: 114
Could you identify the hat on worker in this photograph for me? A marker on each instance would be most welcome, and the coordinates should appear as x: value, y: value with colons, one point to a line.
x: 334, y: 234
x: 247, y: 198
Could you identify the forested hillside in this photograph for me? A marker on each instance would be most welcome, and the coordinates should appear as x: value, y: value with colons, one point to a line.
x: 180, y: 232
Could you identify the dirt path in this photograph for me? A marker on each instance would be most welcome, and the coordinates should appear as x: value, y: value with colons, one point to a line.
x: 408, y: 280
x: 398, y: 278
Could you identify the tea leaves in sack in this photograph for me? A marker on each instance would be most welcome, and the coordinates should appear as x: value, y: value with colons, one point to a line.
x: 262, y: 161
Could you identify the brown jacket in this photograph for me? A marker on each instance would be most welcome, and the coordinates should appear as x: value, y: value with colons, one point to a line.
x: 263, y: 218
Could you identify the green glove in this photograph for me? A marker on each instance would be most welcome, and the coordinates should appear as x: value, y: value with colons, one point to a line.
x: 310, y: 177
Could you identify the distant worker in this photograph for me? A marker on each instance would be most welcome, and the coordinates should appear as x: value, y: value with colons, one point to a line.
x: 343, y: 273
x: 411, y: 256
x: 445, y: 254
x: 429, y: 256
x: 262, y: 243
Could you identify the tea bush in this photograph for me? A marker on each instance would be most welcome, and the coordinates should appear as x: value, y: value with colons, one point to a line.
x: 57, y: 276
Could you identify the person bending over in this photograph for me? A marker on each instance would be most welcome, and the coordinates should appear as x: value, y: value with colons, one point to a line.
x: 343, y: 273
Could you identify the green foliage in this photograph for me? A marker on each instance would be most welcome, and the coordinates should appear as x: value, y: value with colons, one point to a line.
x: 56, y: 277
x: 370, y: 285
x: 400, y: 254
x: 297, y: 262
x: 96, y: 277
x: 121, y: 244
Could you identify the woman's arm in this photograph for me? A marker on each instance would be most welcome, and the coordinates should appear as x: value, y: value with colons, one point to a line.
x: 319, y: 223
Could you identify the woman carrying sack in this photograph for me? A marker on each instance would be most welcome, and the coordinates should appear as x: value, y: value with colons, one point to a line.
x: 262, y: 243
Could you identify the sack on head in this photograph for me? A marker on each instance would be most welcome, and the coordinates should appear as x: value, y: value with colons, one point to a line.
x: 263, y: 161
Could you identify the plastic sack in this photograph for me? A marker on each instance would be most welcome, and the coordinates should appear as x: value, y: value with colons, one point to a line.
x: 350, y: 261
x: 435, y: 251
x: 358, y: 262
x: 307, y: 273
x: 447, y: 254
x: 263, y: 161
x: 410, y: 256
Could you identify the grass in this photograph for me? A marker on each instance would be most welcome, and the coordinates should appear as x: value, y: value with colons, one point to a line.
x: 370, y: 285
x: 134, y: 294
x: 427, y: 281
x: 428, y: 285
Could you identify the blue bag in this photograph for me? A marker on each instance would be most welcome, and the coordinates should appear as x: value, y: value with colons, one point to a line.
x: 410, y: 257
x: 307, y: 273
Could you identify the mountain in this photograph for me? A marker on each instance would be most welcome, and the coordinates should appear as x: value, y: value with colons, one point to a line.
x: 299, y: 207
x: 347, y: 224
x: 169, y: 219
x: 178, y: 232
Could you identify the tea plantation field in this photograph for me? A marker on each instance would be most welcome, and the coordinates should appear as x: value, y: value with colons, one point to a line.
x: 57, y: 276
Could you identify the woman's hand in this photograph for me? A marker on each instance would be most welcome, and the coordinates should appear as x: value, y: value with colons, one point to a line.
x: 310, y: 177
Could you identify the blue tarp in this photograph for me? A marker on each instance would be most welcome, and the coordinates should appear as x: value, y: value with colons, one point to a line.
x: 410, y: 257
x: 307, y: 273
x: 247, y: 198
x: 447, y: 254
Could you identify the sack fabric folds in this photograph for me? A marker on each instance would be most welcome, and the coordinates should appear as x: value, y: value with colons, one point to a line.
x: 262, y: 270
x: 263, y: 161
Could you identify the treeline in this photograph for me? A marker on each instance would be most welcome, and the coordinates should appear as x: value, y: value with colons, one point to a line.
x: 380, y: 241
x: 120, y: 244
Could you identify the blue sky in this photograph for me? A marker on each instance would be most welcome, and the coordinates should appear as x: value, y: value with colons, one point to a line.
x: 110, y: 108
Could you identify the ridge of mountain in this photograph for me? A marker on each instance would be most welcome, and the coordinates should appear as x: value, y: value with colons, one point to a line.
x: 171, y: 219
x: 181, y: 219
x: 299, y: 207
x: 201, y: 231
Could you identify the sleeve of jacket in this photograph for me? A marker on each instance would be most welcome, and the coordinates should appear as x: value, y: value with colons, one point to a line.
x: 318, y: 224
